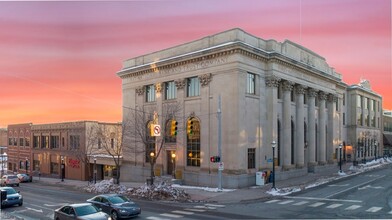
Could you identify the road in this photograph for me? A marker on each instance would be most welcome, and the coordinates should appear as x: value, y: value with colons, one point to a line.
x: 364, y: 196
x: 40, y: 201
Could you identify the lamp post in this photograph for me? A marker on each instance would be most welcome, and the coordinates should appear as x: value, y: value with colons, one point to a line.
x: 273, y: 143
x: 62, y: 168
x: 340, y: 157
x: 95, y: 169
x: 375, y: 150
x: 173, y: 156
x: 26, y: 163
x: 152, y: 157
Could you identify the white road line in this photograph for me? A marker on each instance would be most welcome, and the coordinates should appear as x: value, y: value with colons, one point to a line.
x: 286, y: 202
x: 196, y: 210
x: 171, y: 215
x: 200, y: 207
x: 390, y: 212
x: 339, y: 185
x: 353, y: 207
x: 374, y: 209
x: 334, y: 206
x: 356, y: 186
x: 301, y: 203
x: 272, y: 201
x: 183, y: 212
x: 157, y: 218
x: 322, y: 199
x: 317, y: 204
x: 215, y: 205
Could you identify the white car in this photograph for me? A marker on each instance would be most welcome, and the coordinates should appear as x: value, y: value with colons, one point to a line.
x: 9, y: 180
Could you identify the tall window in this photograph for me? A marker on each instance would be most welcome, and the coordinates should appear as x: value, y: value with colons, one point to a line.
x: 27, y: 141
x: 193, y: 87
x: 170, y: 90
x: 344, y: 118
x: 193, y: 144
x: 45, y: 142
x: 150, y: 143
x: 54, y: 168
x: 74, y: 141
x: 54, y: 142
x: 36, y: 141
x: 21, y: 141
x: 150, y: 93
x: 250, y: 83
x: 251, y: 158
x: 344, y: 99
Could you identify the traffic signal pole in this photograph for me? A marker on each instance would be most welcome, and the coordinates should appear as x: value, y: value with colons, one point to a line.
x: 219, y: 115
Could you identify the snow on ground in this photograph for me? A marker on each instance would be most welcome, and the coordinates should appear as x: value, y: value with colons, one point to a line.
x: 354, y: 171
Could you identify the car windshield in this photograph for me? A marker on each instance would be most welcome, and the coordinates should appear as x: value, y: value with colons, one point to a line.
x: 118, y: 199
x: 86, y: 210
x: 12, y: 177
x: 10, y: 191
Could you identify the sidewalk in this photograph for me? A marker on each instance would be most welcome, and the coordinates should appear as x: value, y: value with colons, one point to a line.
x: 226, y: 196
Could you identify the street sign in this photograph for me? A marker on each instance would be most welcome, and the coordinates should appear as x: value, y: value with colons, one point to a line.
x: 221, y: 166
x: 157, y: 130
x: 269, y: 160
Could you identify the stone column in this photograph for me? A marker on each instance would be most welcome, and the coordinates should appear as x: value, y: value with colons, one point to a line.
x: 181, y: 136
x: 299, y: 125
x: 312, y: 93
x: 205, y: 80
x: 331, y: 127
x: 286, y: 122
x: 272, y: 83
x: 322, y: 123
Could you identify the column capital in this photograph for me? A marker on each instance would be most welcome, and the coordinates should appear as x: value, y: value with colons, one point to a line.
x: 300, y: 89
x: 288, y: 85
x: 322, y: 95
x: 140, y: 90
x: 180, y: 83
x: 272, y: 81
x: 205, y: 79
x: 332, y: 97
x: 312, y: 92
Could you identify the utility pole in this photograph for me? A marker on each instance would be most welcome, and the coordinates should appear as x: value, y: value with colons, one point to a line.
x: 219, y: 114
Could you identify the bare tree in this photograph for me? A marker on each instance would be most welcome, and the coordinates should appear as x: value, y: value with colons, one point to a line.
x: 137, y: 131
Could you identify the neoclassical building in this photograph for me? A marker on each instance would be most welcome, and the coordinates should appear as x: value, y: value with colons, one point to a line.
x: 270, y: 91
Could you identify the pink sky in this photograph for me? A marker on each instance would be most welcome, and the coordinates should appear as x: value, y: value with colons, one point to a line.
x: 58, y: 60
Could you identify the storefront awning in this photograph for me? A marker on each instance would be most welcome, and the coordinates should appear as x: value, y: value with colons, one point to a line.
x: 387, y: 138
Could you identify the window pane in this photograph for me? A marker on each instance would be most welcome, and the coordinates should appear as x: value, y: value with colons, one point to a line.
x: 170, y: 90
x: 250, y: 83
x: 193, y: 87
x: 150, y: 93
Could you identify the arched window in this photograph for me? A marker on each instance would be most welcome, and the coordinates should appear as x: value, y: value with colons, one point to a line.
x: 150, y: 142
x: 193, y: 142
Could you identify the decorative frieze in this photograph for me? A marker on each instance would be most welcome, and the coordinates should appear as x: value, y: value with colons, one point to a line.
x: 180, y: 83
x: 158, y: 87
x: 205, y: 79
x: 272, y: 81
x: 140, y: 90
x: 300, y: 89
x: 312, y: 92
x: 287, y: 85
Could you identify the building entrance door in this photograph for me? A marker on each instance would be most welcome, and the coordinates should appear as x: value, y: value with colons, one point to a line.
x: 170, y: 161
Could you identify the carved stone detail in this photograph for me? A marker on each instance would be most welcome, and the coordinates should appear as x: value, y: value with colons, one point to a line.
x: 300, y: 89
x: 287, y: 85
x: 332, y: 98
x: 140, y: 90
x: 205, y: 79
x: 272, y: 81
x: 158, y: 87
x: 180, y: 83
x: 312, y: 92
x: 322, y: 95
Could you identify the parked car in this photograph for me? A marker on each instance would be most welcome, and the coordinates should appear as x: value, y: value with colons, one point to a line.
x: 13, y: 197
x: 117, y: 206
x: 24, y: 177
x: 9, y: 180
x: 80, y: 211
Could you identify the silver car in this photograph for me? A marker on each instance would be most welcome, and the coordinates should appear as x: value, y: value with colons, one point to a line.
x: 9, y: 180
x: 80, y: 211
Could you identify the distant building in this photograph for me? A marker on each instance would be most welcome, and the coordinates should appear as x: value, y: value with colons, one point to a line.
x: 3, y: 137
x: 387, y: 132
x: 46, y: 147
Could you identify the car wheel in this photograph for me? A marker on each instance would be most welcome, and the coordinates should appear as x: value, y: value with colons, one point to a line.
x: 17, y: 184
x: 114, y: 215
x: 20, y: 204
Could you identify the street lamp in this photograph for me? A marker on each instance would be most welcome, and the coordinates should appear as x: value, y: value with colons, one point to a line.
x: 62, y: 169
x: 173, y: 156
x: 340, y: 157
x: 26, y: 163
x: 375, y: 150
x: 273, y: 143
x: 152, y: 157
x: 95, y: 169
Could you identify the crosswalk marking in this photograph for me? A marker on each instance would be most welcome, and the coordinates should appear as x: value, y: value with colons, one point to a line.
x: 171, y: 215
x: 156, y: 218
x: 182, y: 212
x: 353, y: 207
x: 301, y: 203
x: 272, y: 201
x: 195, y: 210
x: 317, y: 204
x: 215, y: 205
x: 374, y: 209
x: 286, y: 202
x: 334, y: 206
x: 200, y: 206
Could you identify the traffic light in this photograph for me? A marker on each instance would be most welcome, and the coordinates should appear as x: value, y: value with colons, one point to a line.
x: 173, y: 128
x: 215, y: 159
x: 212, y: 159
x: 189, y: 127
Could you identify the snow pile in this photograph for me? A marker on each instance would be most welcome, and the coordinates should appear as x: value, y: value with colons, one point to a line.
x: 283, y: 191
x: 160, y: 191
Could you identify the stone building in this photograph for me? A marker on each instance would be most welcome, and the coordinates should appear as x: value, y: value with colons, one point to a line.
x: 270, y: 91
x: 19, y: 148
x: 387, y: 132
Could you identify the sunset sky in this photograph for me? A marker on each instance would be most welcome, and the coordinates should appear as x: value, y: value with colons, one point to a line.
x: 58, y: 60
